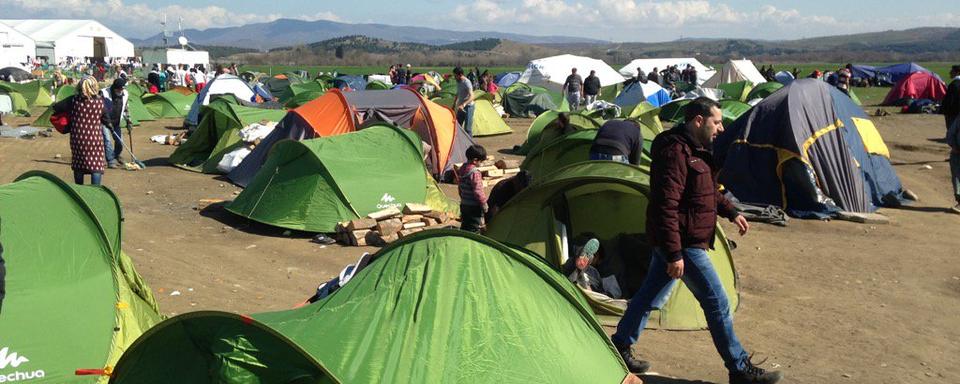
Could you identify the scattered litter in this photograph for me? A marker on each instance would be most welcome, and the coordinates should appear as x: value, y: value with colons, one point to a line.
x: 175, y: 293
x: 287, y: 233
x: 251, y: 246
x: 132, y: 166
x: 847, y: 375
x: 926, y: 167
x: 190, y: 289
x: 169, y: 139
x: 149, y: 192
x: 58, y: 156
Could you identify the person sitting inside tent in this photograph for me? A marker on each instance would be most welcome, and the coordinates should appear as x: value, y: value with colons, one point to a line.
x: 618, y: 140
x: 473, y: 200
x: 580, y: 270
x: 505, y: 190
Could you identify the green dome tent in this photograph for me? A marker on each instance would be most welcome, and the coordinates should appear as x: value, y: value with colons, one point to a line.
x: 559, y: 149
x: 169, y: 104
x: 281, y: 86
x: 138, y: 112
x: 19, y: 104
x: 218, y: 133
x: 34, y: 92
x: 673, y: 112
x: 312, y: 185
x: 607, y: 200
x: 486, y: 120
x: 74, y: 300
x: 303, y: 98
x: 377, y: 85
x: 441, y: 306
x: 763, y: 90
x: 736, y: 90
x: 522, y: 100
x: 732, y: 109
x: 547, y: 119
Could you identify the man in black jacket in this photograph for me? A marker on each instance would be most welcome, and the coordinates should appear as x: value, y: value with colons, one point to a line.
x: 618, y: 140
x: 591, y: 88
x: 950, y: 107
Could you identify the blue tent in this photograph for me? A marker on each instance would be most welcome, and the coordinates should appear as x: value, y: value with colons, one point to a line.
x: 261, y: 91
x: 356, y: 83
x: 859, y: 71
x: 810, y: 150
x: 637, y: 92
x: 507, y: 79
x: 784, y: 77
x: 899, y: 71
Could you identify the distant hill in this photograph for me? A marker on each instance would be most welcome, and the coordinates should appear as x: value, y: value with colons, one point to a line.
x: 287, y: 32
x: 918, y: 44
x: 364, y: 50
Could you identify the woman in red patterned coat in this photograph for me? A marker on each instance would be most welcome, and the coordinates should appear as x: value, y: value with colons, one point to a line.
x: 86, y: 132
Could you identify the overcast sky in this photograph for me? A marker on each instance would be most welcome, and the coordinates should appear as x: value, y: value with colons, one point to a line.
x: 616, y: 20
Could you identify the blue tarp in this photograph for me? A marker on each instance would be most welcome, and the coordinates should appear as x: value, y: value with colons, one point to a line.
x: 356, y: 83
x: 638, y: 92
x: 507, y: 79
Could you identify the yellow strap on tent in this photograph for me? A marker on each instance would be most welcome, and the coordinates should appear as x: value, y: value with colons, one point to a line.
x: 122, y: 305
x: 872, y: 142
x: 818, y: 134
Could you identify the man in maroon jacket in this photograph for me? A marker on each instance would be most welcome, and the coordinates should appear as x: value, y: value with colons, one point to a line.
x: 681, y: 220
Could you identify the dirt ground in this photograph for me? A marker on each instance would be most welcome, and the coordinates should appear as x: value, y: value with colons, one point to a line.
x: 826, y: 302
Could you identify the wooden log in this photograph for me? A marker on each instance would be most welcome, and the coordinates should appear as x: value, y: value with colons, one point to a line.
x: 359, y: 238
x: 362, y: 223
x: 493, y: 173
x: 437, y: 215
x: 389, y: 227
x: 511, y: 171
x: 414, y: 208
x: 410, y: 218
x: 429, y: 221
x: 507, y: 164
x: 385, y: 214
x: 414, y: 224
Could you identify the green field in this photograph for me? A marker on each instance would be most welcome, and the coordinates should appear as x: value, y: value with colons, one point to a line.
x: 868, y: 96
x: 353, y: 70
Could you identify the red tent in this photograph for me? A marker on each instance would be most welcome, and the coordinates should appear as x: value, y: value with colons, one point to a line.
x: 917, y: 85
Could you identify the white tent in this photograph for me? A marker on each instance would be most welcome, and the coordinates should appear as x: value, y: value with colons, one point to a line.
x: 734, y: 71
x: 58, y: 39
x: 647, y: 65
x: 15, y: 47
x: 221, y: 85
x: 176, y: 56
x: 551, y: 72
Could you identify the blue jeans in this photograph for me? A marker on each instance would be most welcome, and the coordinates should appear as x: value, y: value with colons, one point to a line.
x: 465, y: 118
x: 95, y: 178
x: 955, y: 175
x: 112, y: 146
x: 608, y: 157
x: 703, y: 281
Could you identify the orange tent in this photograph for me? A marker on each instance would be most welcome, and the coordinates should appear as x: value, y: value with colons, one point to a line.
x: 339, y: 112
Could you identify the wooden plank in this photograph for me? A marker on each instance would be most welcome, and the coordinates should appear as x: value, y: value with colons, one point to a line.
x: 414, y: 208
x: 385, y: 214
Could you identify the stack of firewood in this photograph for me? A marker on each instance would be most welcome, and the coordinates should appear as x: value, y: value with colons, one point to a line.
x: 386, y: 226
x: 495, y: 171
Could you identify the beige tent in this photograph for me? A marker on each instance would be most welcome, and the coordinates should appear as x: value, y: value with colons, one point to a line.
x: 734, y: 71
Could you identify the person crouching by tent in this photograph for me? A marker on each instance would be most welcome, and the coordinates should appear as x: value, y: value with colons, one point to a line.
x: 618, y: 140
x: 115, y: 102
x: 504, y: 191
x: 950, y: 107
x: 473, y: 201
x: 682, y: 174
x: 573, y: 89
x: 464, y: 101
x: 86, y: 134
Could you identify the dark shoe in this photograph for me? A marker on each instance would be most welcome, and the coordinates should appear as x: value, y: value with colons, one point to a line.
x: 751, y: 374
x: 323, y: 239
x: 113, y: 165
x: 634, y: 365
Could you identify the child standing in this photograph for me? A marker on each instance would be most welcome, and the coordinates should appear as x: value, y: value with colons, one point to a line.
x: 473, y: 201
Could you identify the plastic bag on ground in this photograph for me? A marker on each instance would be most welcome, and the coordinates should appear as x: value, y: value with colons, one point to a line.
x: 232, y: 159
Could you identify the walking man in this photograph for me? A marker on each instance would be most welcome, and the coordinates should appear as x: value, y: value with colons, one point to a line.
x: 951, y: 113
x: 591, y: 88
x: 464, y: 101
x: 681, y: 220
x: 573, y: 88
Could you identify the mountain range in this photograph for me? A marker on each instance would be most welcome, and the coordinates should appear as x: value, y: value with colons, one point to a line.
x: 288, y: 32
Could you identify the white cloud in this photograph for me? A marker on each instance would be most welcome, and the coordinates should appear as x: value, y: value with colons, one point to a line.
x: 539, y: 12
x: 142, y: 19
